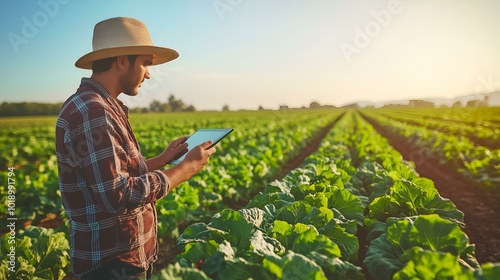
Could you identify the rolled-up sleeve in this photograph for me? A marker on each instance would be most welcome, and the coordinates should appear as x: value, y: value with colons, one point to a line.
x: 106, y: 156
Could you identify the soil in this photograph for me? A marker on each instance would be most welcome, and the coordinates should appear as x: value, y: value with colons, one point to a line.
x: 480, y: 206
x: 167, y: 251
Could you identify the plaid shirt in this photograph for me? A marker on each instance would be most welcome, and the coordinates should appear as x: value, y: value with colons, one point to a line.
x: 107, y: 191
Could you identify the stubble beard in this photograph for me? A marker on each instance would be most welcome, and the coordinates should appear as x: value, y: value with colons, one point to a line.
x: 129, y: 86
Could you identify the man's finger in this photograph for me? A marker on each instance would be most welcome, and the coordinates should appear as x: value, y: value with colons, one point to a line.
x: 206, y: 145
x: 181, y: 140
x: 181, y: 153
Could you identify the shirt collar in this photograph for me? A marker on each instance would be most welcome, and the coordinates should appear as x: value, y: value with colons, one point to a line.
x: 93, y: 84
x: 97, y: 87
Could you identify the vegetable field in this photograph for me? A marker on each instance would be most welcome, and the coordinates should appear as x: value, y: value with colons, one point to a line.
x: 295, y: 194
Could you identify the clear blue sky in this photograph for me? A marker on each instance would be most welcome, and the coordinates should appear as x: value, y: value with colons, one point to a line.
x: 248, y: 53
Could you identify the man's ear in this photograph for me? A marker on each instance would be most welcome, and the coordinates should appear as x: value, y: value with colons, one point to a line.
x: 122, y: 62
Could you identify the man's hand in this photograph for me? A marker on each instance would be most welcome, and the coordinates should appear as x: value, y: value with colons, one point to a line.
x: 193, y: 163
x: 175, y: 149
x: 199, y: 156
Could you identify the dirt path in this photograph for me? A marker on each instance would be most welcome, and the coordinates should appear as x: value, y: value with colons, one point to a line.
x: 311, y: 148
x: 481, y: 209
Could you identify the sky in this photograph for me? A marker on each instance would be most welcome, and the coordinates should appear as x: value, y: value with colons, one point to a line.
x: 247, y: 54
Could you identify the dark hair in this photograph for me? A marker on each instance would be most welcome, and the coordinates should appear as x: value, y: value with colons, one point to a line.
x: 103, y: 65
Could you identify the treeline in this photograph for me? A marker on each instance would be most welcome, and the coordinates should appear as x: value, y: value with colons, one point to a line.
x: 29, y: 109
x: 46, y: 109
x: 172, y: 105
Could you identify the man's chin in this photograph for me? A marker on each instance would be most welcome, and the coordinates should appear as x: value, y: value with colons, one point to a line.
x: 131, y: 93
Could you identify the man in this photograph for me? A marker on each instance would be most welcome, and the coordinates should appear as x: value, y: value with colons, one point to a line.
x: 108, y: 189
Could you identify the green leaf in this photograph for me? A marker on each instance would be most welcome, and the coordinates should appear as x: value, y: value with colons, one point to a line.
x: 382, y: 258
x: 294, y: 266
x: 437, y: 234
x: 377, y: 228
x: 406, y: 238
x: 195, y: 251
x: 254, y: 216
x: 468, y: 257
x: 193, y: 233
x: 318, y: 217
x: 335, y: 268
x: 433, y: 203
x: 176, y: 272
x: 40, y: 253
x: 346, y: 203
x: 294, y: 213
x: 310, y: 240
x: 347, y: 242
x: 278, y: 186
x: 277, y: 199
x: 424, y: 183
x: 243, y: 269
x: 236, y: 225
x: 265, y: 245
x: 282, y: 231
x: 317, y: 200
x: 397, y: 233
x: 488, y: 271
x: 428, y: 265
x: 408, y: 199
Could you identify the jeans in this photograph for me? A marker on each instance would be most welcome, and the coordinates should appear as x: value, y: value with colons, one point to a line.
x: 117, y: 270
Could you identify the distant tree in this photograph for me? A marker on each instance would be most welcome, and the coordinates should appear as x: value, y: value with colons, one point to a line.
x: 156, y: 106
x: 261, y: 108
x: 473, y: 103
x: 189, y: 108
x: 314, y: 105
x: 284, y: 107
x: 177, y: 105
x: 421, y: 103
x: 457, y: 104
x: 225, y: 108
x: 135, y: 110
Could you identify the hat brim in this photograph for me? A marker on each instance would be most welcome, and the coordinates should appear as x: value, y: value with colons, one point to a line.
x: 160, y: 55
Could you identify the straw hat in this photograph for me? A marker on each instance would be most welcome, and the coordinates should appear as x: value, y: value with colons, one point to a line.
x: 123, y: 36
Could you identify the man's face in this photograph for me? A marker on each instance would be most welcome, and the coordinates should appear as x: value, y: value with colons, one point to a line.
x: 132, y: 79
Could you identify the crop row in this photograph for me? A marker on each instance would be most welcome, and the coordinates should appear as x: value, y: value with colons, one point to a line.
x: 477, y: 163
x: 487, y: 136
x: 306, y: 226
x: 480, y: 116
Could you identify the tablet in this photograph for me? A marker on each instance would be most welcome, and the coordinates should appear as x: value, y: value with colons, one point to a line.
x: 201, y: 136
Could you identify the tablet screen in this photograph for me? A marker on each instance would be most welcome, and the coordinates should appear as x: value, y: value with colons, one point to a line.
x: 201, y: 136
